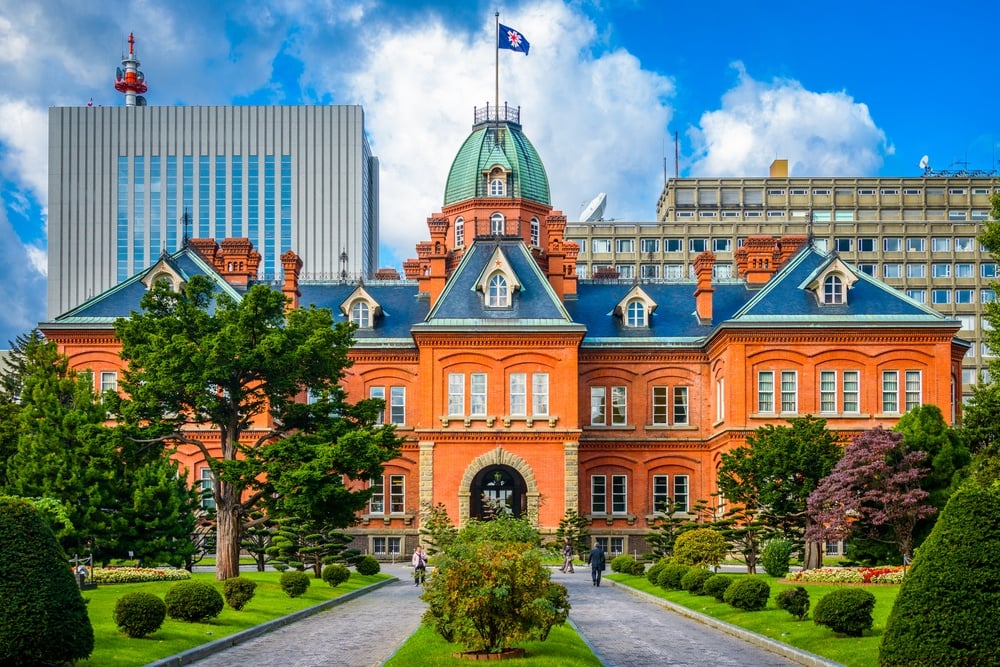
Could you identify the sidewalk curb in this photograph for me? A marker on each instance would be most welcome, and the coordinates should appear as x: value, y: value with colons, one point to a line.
x: 205, y: 650
x: 766, y: 643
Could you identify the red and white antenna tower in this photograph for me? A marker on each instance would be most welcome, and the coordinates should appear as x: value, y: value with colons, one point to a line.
x: 129, y: 79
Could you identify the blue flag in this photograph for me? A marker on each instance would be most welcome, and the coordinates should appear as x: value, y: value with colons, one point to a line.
x: 512, y: 39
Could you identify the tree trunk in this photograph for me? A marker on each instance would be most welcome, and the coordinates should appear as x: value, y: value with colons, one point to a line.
x: 813, y: 556
x: 227, y: 537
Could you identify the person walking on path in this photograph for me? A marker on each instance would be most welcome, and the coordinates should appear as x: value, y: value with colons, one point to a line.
x: 419, y: 561
x: 567, y: 551
x: 596, y: 559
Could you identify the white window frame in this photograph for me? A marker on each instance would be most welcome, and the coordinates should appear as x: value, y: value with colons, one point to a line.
x: 681, y: 412
x: 765, y: 392
x: 206, y: 480
x: 851, y: 392
x: 379, y: 392
x: 397, y: 405
x: 828, y: 392
x: 361, y: 314
x: 661, y: 493
x: 497, y: 291
x: 459, y: 233
x: 456, y: 394
x: 518, y: 385
x: 477, y: 394
x: 660, y: 405
x: 376, y: 502
x: 619, y: 405
x: 599, y: 494
x: 397, y: 494
x: 619, y: 494
x: 109, y: 382
x: 890, y: 392
x: 635, y: 313
x: 913, y: 389
x: 682, y: 492
x: 540, y: 394
x: 789, y: 392
x: 598, y: 406
x: 497, y: 224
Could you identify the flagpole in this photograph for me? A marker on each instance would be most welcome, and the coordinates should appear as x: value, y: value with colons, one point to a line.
x: 496, y: 79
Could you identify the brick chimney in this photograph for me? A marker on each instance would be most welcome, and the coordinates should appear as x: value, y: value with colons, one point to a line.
x: 206, y: 248
x: 790, y: 245
x: 291, y: 264
x: 436, y: 257
x: 237, y: 261
x: 703, y: 265
x: 759, y: 261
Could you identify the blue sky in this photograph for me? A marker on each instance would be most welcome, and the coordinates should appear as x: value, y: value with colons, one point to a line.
x: 850, y: 89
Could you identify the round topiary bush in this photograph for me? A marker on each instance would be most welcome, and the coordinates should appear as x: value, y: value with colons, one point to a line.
x: 945, y: 613
x: 295, y: 583
x: 638, y: 569
x: 670, y: 576
x: 43, y: 618
x: 794, y: 600
x: 703, y: 547
x: 138, y: 613
x: 847, y: 611
x: 776, y: 557
x: 335, y: 574
x: 622, y: 564
x: 367, y: 565
x: 717, y: 585
x: 193, y: 601
x: 653, y: 573
x: 748, y: 594
x: 238, y: 591
x: 694, y: 581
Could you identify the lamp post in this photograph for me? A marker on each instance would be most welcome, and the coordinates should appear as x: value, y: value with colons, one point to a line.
x: 343, y: 264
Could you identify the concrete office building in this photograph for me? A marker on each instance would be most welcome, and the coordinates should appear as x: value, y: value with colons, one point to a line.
x: 127, y: 184
x: 916, y: 234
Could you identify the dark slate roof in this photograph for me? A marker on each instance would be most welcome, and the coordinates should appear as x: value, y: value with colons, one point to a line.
x: 124, y: 298
x: 534, y: 305
x: 401, y: 305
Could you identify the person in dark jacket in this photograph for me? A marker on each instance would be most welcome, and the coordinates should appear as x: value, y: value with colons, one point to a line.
x: 596, y: 559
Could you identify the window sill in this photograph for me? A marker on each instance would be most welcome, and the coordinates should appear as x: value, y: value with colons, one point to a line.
x: 671, y: 427
x: 602, y: 427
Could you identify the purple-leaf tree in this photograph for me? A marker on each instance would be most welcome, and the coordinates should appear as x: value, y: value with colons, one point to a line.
x: 876, y: 483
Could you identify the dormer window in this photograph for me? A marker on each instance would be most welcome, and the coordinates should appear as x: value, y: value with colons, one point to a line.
x: 496, y: 187
x: 361, y: 314
x: 497, y: 293
x: 833, y: 290
x: 496, y: 223
x: 164, y: 272
x: 635, y: 313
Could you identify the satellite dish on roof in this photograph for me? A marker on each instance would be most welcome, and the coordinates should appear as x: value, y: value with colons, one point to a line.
x: 594, y: 211
x: 924, y: 162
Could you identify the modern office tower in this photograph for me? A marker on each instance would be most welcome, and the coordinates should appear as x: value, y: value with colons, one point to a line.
x: 916, y: 234
x: 127, y: 184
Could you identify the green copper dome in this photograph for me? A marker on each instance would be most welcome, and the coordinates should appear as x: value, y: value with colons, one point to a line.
x: 483, y: 150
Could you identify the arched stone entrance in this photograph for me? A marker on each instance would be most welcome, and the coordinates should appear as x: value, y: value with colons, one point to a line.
x: 504, y: 476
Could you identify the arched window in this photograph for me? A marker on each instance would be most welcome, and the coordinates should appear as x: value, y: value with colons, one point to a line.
x: 496, y: 223
x: 635, y: 314
x: 361, y: 314
x: 535, y: 232
x: 459, y: 232
x: 496, y: 187
x: 497, y: 293
x: 833, y: 290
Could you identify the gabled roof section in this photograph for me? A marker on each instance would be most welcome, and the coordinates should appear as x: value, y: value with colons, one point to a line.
x: 636, y: 293
x: 498, y: 262
x: 535, y: 305
x: 787, y: 297
x: 164, y: 269
x: 400, y: 302
x: 125, y: 297
x: 360, y: 293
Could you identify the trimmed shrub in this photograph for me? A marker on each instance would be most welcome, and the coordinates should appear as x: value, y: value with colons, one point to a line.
x: 748, y: 594
x: 703, y: 547
x: 193, y: 601
x: 335, y: 574
x: 653, y: 573
x: 623, y: 564
x: 138, y: 613
x: 847, y: 611
x: 694, y: 581
x: 367, y: 565
x: 670, y: 576
x: 137, y: 575
x: 238, y: 591
x: 638, y: 569
x: 795, y: 601
x: 43, y: 618
x: 717, y: 585
x: 945, y: 613
x: 295, y: 583
x: 776, y: 557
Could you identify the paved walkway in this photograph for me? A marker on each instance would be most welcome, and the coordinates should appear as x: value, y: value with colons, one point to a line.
x: 623, y: 630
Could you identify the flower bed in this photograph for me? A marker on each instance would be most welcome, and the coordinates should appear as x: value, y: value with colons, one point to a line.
x: 850, y: 575
x: 137, y: 575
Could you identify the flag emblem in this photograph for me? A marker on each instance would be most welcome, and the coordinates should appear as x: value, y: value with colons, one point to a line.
x: 512, y: 39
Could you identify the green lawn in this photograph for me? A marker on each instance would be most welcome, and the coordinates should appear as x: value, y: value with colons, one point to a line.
x: 562, y: 648
x: 781, y: 626
x: 111, y: 647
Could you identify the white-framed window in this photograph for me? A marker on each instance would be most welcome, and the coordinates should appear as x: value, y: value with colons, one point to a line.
x: 497, y: 292
x: 941, y: 244
x: 599, y: 407
x: 789, y: 392
x: 670, y: 405
x: 477, y: 394
x: 673, y: 245
x: 916, y: 270
x: 913, y: 389
x: 397, y: 405
x: 892, y: 244
x: 968, y: 322
x: 496, y: 187
x: 535, y: 232
x: 456, y: 394
x: 844, y: 244
x: 940, y: 296
x: 626, y: 271
x: 649, y: 245
x: 681, y: 405
x: 892, y: 270
x: 851, y: 392
x: 376, y: 503
x: 206, y: 480
x: 109, y: 381
x: 540, y: 394
x: 964, y: 270
x: 828, y: 391
x: 598, y: 494
x: 661, y: 405
x: 987, y: 296
x: 619, y: 494
x: 459, y: 233
x: 918, y: 295
x: 635, y: 313
x: 916, y: 244
x: 386, y: 545
x: 518, y: 394
x: 601, y: 245
x: 868, y: 269
x: 661, y: 493
x: 722, y: 245
x: 843, y: 216
x: 361, y: 314
x: 890, y: 391
x: 964, y: 296
x: 681, y: 492
x: 625, y: 245
x: 939, y: 270
x: 698, y: 245
x: 954, y: 214
x: 964, y: 244
x: 497, y: 223
x: 397, y: 494
x: 673, y: 271
x: 649, y: 271
x: 833, y: 290
x: 822, y: 216
x: 988, y: 270
x: 822, y: 192
x: 619, y: 413
x: 765, y: 391
x: 866, y: 244
x: 379, y: 393
x: 720, y: 399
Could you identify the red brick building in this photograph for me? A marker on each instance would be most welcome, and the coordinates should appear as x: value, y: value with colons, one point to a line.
x: 510, y: 378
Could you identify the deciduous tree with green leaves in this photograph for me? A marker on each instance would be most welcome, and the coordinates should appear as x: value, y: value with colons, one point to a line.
x: 228, y: 376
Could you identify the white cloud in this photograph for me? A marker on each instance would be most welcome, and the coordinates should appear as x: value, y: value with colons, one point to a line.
x: 820, y: 134
x: 597, y: 121
x: 25, y: 136
x: 22, y: 275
